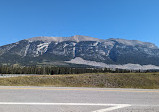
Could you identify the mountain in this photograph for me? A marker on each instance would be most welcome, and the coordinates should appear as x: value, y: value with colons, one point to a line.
x: 68, y: 51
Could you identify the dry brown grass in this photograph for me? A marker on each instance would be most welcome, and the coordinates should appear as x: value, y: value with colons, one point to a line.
x: 107, y: 80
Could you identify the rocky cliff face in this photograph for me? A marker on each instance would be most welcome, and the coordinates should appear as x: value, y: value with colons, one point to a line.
x: 48, y: 50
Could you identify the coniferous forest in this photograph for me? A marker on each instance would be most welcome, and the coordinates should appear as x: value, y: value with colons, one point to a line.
x: 56, y: 70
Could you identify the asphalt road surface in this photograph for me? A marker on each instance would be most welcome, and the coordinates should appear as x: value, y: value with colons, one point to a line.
x: 69, y: 99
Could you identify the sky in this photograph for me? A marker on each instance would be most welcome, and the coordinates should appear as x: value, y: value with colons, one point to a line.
x: 126, y: 19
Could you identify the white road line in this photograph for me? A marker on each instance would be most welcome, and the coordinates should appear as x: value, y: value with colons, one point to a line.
x: 146, y: 105
x: 119, y: 106
x: 113, y: 106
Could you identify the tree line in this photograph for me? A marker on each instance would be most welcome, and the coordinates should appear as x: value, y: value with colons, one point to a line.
x: 56, y: 70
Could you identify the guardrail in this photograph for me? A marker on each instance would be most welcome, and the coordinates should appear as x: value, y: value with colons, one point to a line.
x: 15, y: 75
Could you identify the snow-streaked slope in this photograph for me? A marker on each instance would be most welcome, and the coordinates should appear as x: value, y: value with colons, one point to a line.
x: 79, y: 60
x: 26, y: 50
x: 42, y: 48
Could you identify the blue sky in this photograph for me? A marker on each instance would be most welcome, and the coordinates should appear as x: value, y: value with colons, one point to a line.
x: 127, y: 19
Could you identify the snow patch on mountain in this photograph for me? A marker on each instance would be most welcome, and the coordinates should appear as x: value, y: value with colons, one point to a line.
x: 79, y: 60
x: 65, y: 45
x: 108, y: 53
x: 42, y: 48
x: 95, y: 44
x: 26, y: 50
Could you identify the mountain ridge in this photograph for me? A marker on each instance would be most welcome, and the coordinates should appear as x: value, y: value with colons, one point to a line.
x: 51, y: 50
x: 76, y: 38
x: 79, y: 38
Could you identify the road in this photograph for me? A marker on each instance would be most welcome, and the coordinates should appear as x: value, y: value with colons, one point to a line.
x: 73, y: 99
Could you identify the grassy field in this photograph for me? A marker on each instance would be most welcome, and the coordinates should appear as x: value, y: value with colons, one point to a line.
x: 106, y: 80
